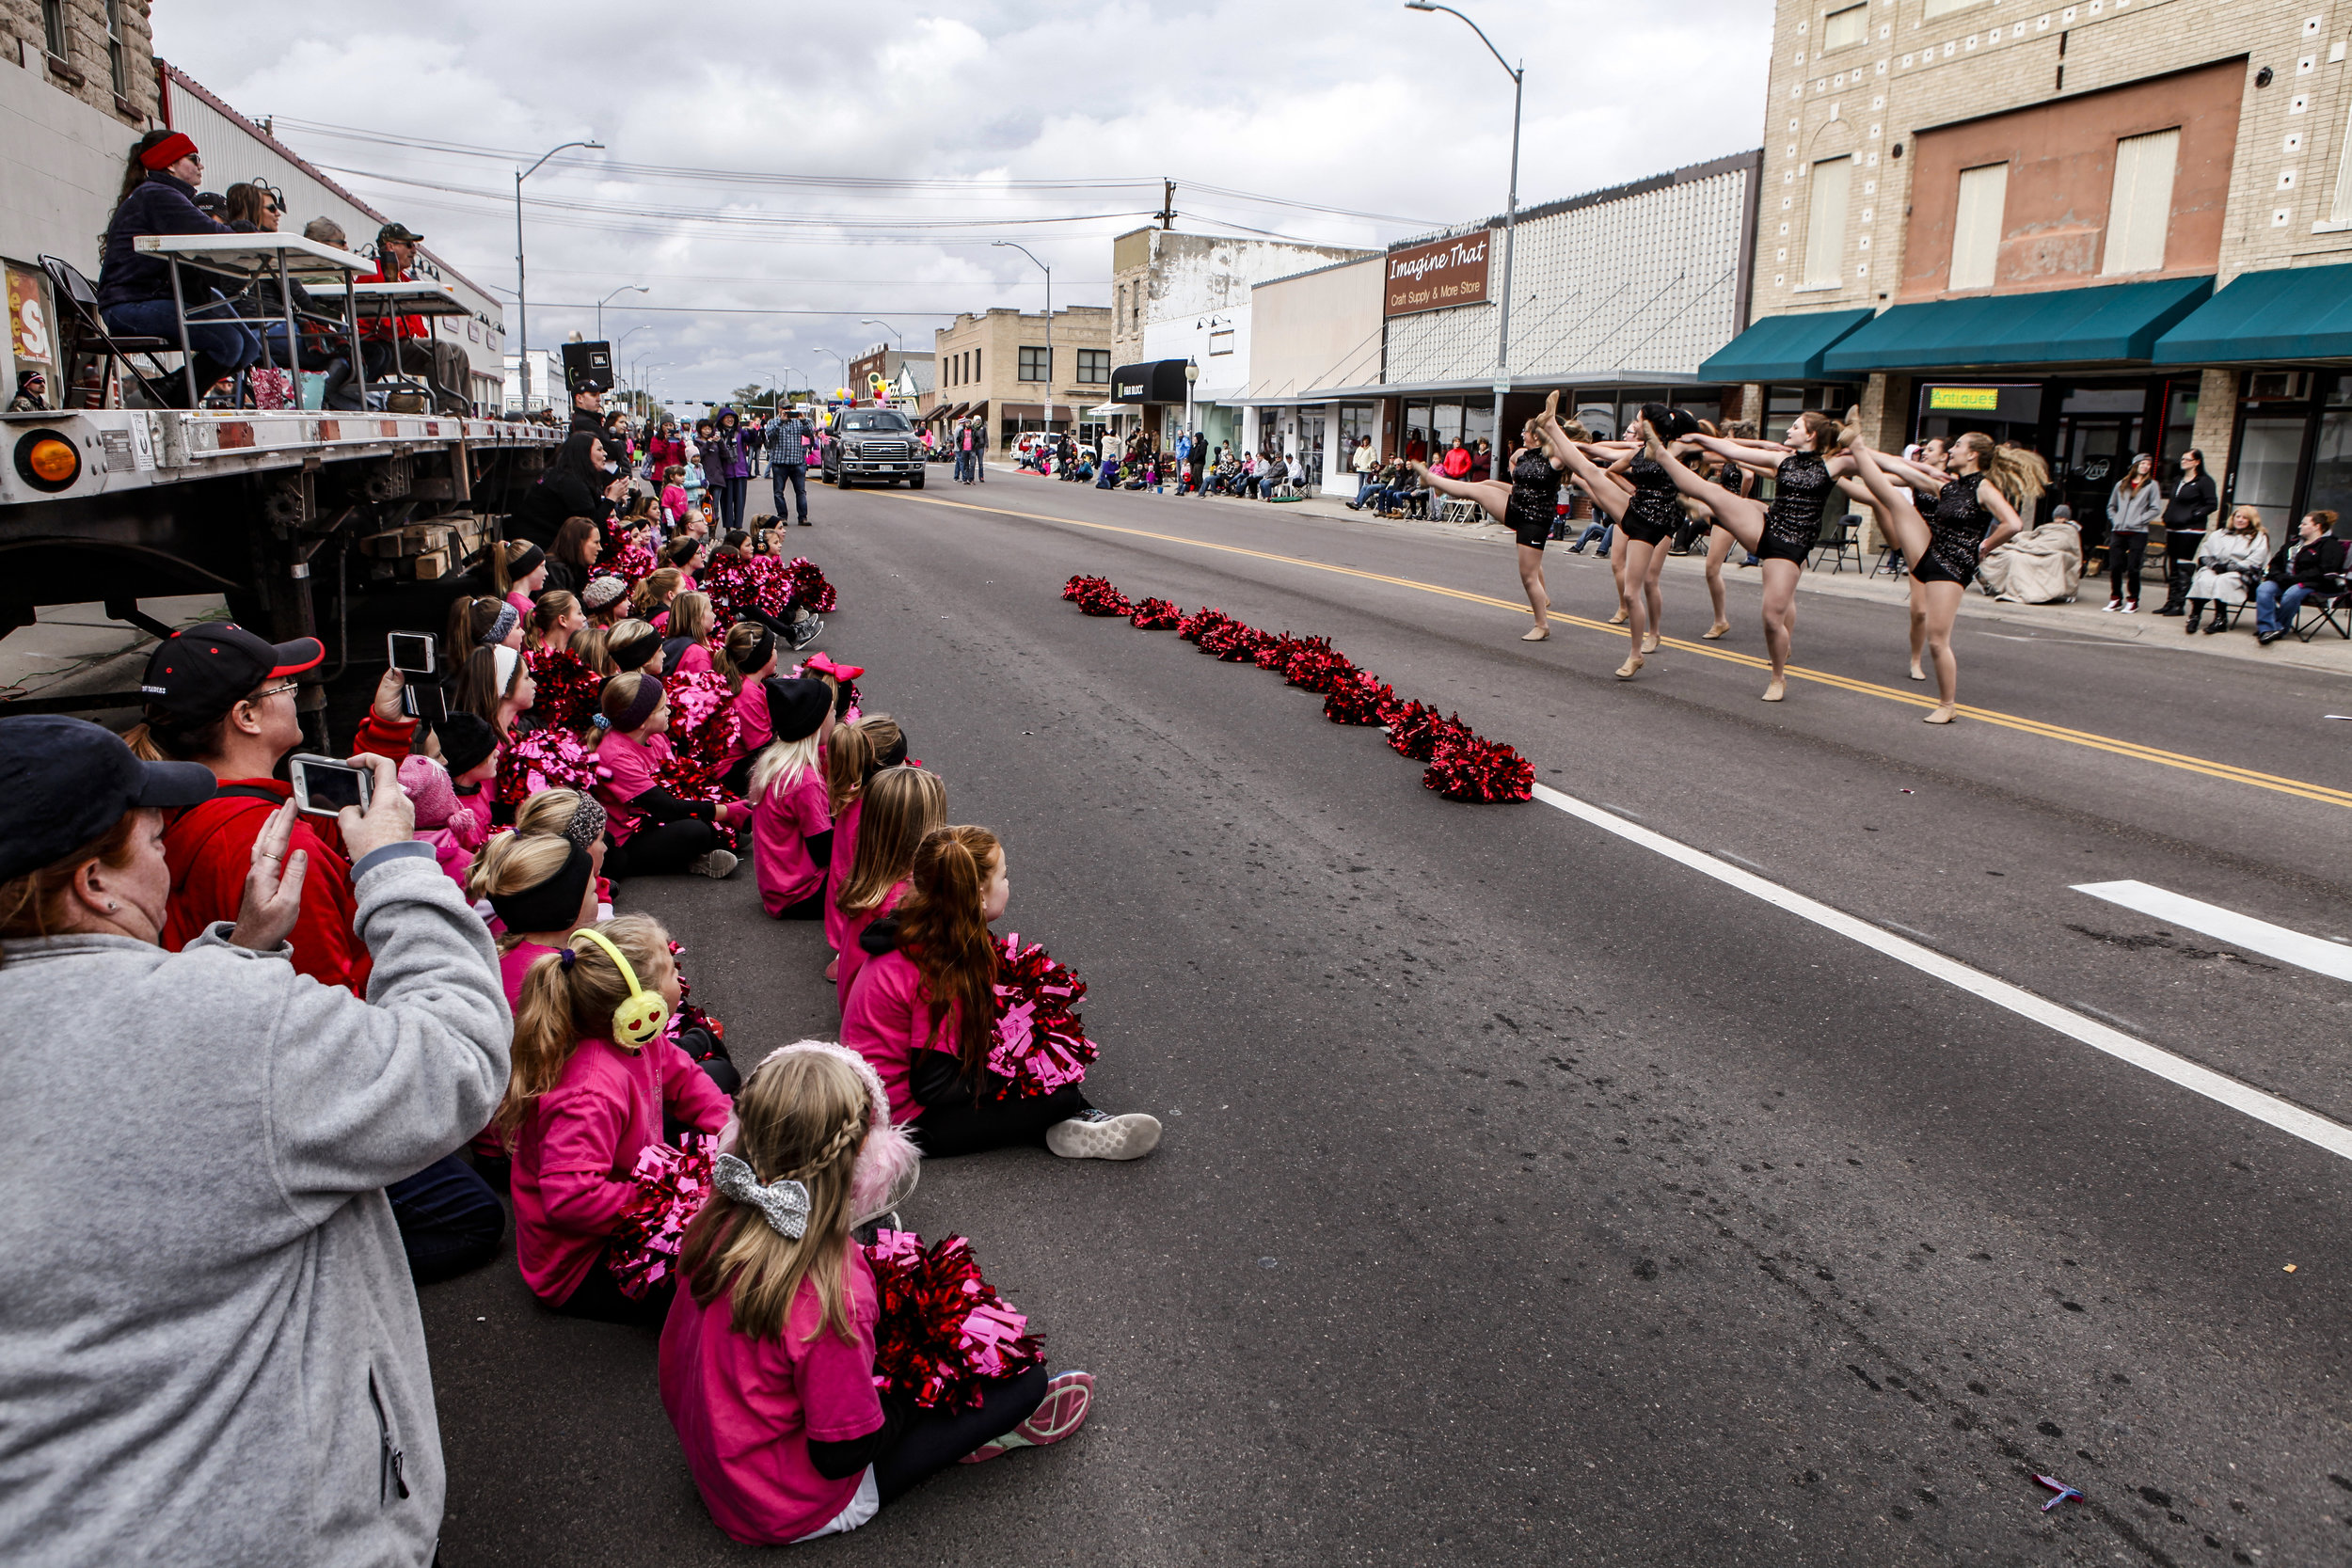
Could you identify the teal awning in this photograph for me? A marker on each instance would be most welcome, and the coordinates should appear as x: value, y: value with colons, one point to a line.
x: 1782, y: 348
x: 2119, y: 321
x: 2291, y: 313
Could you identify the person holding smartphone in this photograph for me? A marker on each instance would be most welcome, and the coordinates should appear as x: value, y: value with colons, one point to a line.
x: 219, y: 695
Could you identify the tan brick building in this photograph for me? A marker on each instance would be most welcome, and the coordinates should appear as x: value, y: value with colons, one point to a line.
x: 2035, y: 219
x: 993, y: 365
x: 98, y: 50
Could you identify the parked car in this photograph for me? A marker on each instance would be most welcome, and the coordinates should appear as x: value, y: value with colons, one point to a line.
x: 872, y: 444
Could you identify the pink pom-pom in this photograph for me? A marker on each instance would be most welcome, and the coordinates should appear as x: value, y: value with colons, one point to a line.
x: 943, y: 1329
x: 1039, y: 1043
x: 672, y: 1184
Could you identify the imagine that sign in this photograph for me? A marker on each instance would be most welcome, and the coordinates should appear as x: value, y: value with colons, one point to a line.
x: 1982, y: 400
x: 1439, y: 275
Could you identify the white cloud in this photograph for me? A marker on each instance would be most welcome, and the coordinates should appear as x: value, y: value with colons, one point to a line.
x: 1373, y: 108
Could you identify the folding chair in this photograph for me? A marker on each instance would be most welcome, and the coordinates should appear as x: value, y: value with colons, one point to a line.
x: 2323, y: 609
x: 1841, y: 537
x: 90, y: 350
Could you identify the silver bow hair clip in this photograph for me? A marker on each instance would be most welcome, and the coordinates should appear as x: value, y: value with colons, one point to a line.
x: 784, y: 1204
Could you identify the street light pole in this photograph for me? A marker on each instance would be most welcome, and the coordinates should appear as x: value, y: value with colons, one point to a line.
x: 622, y: 290
x: 1049, y: 330
x: 522, y: 293
x: 1511, y: 212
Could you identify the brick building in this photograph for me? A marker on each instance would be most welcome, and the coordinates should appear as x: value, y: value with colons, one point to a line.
x: 994, y: 366
x: 2101, y: 227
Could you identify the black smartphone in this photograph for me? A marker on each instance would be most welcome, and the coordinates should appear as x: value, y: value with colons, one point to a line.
x: 323, y: 786
x: 413, y: 653
x: 428, y: 703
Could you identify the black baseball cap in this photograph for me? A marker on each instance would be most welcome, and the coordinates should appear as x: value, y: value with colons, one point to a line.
x: 204, y: 672
x: 400, y: 231
x: 63, y: 781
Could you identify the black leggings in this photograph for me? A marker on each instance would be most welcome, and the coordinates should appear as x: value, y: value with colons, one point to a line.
x: 600, y: 1300
x: 2125, y: 551
x: 664, y: 850
x: 960, y: 1127
x: 937, y: 1438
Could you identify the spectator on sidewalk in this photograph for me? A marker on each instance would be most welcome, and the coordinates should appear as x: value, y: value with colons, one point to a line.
x: 210, y: 1349
x: 1367, y: 466
x: 788, y: 442
x: 2229, y: 564
x: 2135, y: 501
x: 2193, y: 502
x: 1457, y: 461
x: 2310, y: 566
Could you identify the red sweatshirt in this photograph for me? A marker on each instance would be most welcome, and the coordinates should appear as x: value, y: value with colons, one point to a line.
x: 209, y: 851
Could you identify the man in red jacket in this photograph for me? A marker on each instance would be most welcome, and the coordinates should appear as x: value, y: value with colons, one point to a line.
x: 219, y: 695
x: 381, y: 337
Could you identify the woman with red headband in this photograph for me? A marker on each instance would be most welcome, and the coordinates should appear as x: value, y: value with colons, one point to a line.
x: 135, y: 289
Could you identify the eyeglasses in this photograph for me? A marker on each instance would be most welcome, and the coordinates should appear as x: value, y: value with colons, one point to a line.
x: 268, y: 691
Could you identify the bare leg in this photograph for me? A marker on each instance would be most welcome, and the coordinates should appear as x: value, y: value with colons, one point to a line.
x: 1539, y: 597
x: 1896, y: 512
x: 1640, y: 601
x: 1918, y: 625
x: 1780, y: 622
x: 1943, y: 608
x: 1741, y: 515
x: 1651, y: 598
x: 1616, y: 576
x: 1719, y: 543
x: 1490, y: 494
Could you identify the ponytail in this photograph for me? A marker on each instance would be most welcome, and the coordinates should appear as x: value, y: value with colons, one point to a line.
x: 568, y: 997
x: 942, y: 929
x: 2019, y: 475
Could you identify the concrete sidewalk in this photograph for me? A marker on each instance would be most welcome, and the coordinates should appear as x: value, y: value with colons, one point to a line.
x: 2327, y: 652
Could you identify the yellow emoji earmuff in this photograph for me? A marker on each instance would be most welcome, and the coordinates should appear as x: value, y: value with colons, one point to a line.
x: 637, y: 1020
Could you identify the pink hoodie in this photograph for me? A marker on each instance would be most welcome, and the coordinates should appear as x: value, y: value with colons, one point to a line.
x: 579, y: 1144
x: 886, y: 1021
x: 782, y: 823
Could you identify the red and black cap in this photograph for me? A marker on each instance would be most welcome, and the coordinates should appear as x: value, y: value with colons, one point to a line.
x: 202, y: 672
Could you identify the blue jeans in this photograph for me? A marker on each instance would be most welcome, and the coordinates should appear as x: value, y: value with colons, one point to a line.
x: 229, y: 343
x: 732, y: 491
x: 449, y: 1220
x: 1597, y: 529
x: 1364, y: 484
x: 796, y: 475
x: 963, y: 466
x: 2274, y: 610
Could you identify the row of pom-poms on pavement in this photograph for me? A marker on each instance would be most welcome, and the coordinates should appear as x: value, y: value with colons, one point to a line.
x: 1463, y: 765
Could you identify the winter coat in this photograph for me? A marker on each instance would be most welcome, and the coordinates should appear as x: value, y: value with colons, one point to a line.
x: 2130, y: 510
x: 2220, y: 560
x: 727, y: 455
x: 210, y: 1349
x: 2193, y: 504
x: 2318, y: 567
x: 160, y: 204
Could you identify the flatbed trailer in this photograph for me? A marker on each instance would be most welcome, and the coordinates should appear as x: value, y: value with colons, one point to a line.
x: 287, y: 514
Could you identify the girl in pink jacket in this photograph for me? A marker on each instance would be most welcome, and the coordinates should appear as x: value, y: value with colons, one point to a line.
x: 899, y: 809
x: 792, y: 827
x: 582, y: 1103
x: 854, y: 754
x: 768, y: 1357
x: 923, y: 1012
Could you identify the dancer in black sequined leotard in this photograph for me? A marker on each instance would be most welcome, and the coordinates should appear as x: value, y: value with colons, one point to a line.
x: 1782, y: 534
x: 1525, y: 503
x: 1983, y: 490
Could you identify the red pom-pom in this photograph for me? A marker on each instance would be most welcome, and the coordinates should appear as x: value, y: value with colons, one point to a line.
x: 702, y: 733
x: 569, y: 690
x: 809, y: 586
x: 1360, y: 698
x: 943, y: 1329
x: 1318, y: 670
x: 1194, y: 627
x: 1039, y: 1045
x: 1077, y: 584
x: 744, y: 586
x: 1469, y: 767
x: 1233, y: 642
x: 1155, y: 615
x: 1414, y: 729
x: 672, y: 1186
x: 1096, y: 596
x: 630, y: 562
x: 1281, y: 648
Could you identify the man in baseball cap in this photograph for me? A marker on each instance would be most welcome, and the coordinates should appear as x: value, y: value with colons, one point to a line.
x: 224, y: 697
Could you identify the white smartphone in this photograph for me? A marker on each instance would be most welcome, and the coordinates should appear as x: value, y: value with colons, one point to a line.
x: 412, y: 652
x: 323, y: 786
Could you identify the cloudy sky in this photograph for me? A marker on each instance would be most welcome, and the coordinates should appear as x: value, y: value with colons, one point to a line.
x: 773, y: 174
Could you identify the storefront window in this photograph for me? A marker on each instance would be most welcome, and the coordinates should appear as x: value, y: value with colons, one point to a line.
x: 2267, y: 454
x: 2331, y: 466
x: 1356, y: 420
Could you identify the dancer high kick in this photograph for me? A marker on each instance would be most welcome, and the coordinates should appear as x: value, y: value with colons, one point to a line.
x: 1525, y: 503
x: 1989, y: 485
x: 1639, y: 498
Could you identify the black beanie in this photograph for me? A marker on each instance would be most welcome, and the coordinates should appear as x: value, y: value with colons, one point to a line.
x: 467, y: 739
x: 797, y: 707
x: 549, y: 905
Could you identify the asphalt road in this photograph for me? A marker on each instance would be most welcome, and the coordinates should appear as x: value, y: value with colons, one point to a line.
x: 1528, y: 1197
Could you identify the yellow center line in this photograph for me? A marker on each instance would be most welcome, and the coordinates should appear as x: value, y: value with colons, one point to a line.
x: 2322, y: 792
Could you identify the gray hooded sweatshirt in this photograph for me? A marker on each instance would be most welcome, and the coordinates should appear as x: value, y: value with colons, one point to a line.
x: 210, y: 1350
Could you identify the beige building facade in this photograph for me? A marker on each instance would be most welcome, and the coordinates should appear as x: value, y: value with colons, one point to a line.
x: 2101, y: 227
x: 993, y: 366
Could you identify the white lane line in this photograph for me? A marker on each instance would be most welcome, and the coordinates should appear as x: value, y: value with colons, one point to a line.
x: 2223, y: 1090
x: 2239, y: 931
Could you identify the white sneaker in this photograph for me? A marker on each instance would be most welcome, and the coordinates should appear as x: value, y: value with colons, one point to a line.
x: 1061, y: 1412
x: 2131, y: 607
x: 714, y: 864
x: 2113, y: 604
x: 1095, y: 1134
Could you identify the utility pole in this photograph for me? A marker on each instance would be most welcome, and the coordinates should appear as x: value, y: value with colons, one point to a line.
x: 1166, y: 213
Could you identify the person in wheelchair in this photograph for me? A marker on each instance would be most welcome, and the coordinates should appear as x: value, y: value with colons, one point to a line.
x: 385, y: 341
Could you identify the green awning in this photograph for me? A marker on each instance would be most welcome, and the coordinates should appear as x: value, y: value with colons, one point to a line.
x: 2116, y: 323
x: 1782, y: 348
x: 2290, y: 313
